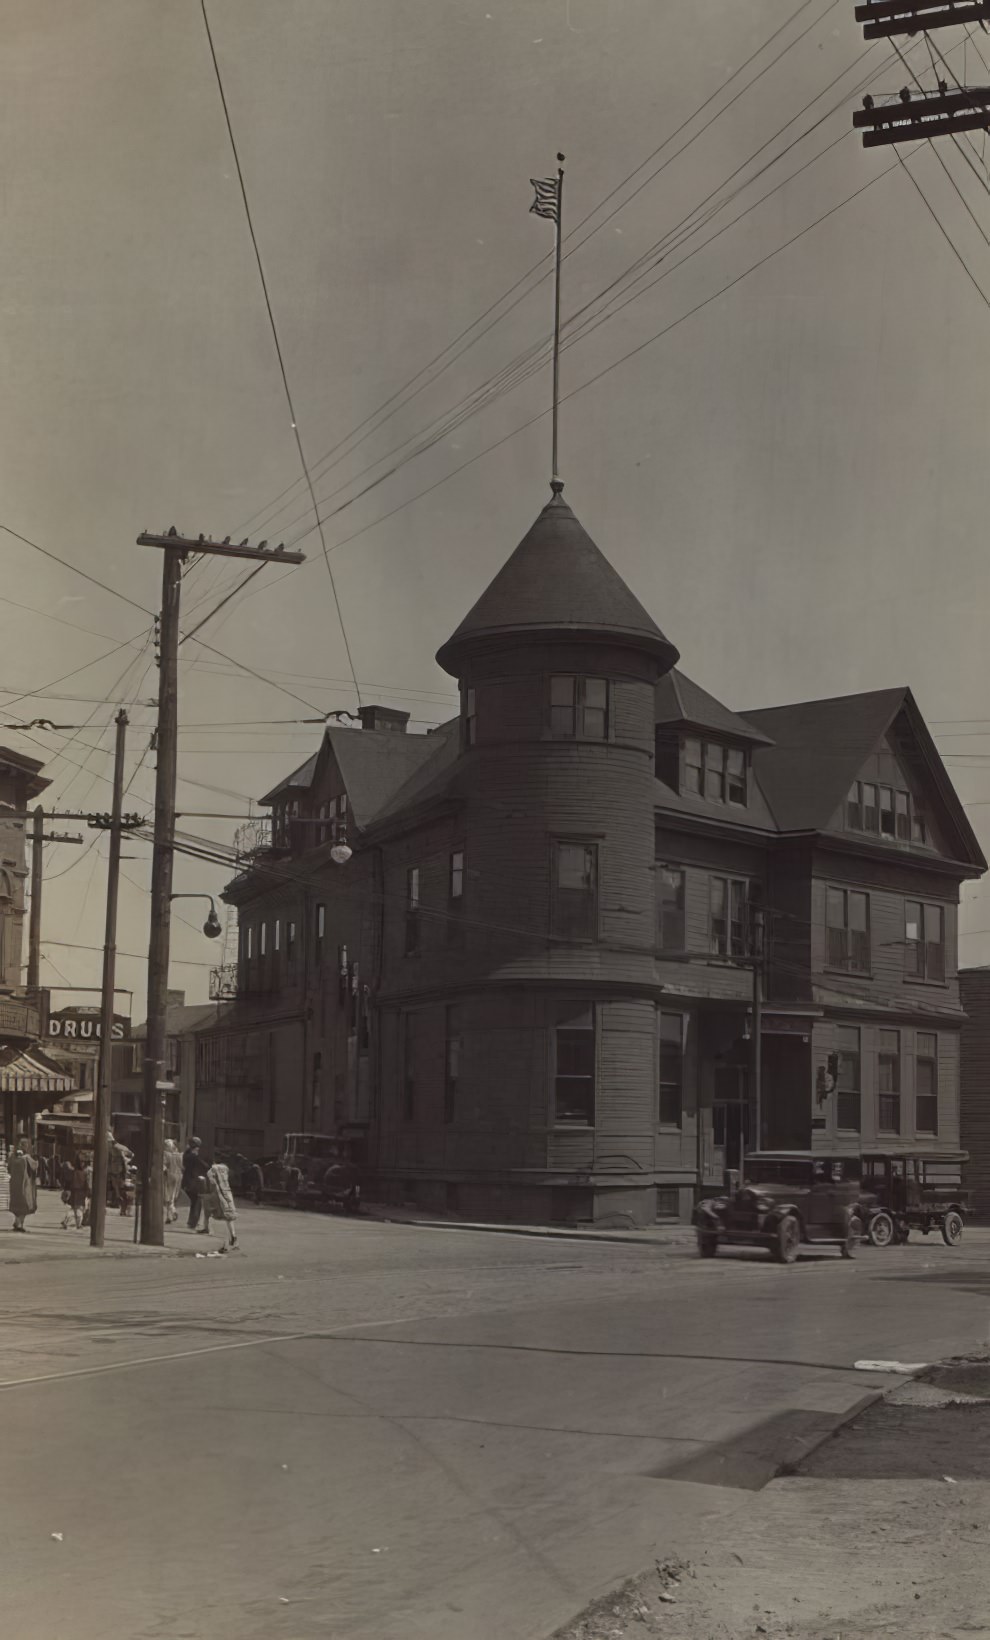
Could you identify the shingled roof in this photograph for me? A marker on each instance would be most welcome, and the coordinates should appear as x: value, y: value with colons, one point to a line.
x: 374, y: 764
x: 682, y: 701
x: 819, y: 746
x: 556, y: 584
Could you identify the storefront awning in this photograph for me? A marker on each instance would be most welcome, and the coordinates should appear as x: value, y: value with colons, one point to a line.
x: 31, y: 1071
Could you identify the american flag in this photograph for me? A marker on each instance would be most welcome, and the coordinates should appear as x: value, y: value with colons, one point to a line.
x: 547, y: 201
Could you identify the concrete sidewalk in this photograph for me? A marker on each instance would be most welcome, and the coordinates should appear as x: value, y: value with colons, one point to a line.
x: 45, y: 1239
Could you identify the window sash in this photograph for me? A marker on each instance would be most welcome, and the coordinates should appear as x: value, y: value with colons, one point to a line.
x: 926, y: 1082
x: 871, y: 813
x: 456, y: 882
x: 694, y: 766
x: 924, y: 941
x: 887, y: 826
x: 670, y: 1091
x: 847, y: 930
x: 575, y: 891
x: 728, y: 905
x: 671, y: 908
x: 574, y: 1071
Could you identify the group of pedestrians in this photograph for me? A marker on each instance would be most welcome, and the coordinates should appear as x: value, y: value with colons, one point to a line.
x: 208, y: 1188
x: 206, y: 1184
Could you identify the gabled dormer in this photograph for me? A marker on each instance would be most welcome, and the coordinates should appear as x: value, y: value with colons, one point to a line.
x: 704, y: 752
x: 866, y: 768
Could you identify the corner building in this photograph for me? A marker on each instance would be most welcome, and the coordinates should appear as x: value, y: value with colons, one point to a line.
x: 529, y: 990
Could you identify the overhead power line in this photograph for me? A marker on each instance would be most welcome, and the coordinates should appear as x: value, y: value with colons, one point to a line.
x: 278, y: 346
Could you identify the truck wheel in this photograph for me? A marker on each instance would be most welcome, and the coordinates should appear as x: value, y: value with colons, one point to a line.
x: 785, y: 1248
x: 952, y: 1229
x: 707, y: 1244
x: 881, y: 1231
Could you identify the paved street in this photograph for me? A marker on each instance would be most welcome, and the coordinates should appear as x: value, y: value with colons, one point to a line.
x: 370, y: 1431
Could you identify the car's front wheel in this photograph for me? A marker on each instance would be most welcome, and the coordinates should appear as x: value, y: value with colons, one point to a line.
x: 881, y: 1231
x: 787, y: 1241
x: 707, y: 1244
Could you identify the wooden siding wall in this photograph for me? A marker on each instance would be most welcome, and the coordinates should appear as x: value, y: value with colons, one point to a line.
x: 826, y: 1041
x: 975, y: 1085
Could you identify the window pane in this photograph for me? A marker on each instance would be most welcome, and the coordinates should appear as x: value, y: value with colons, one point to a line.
x: 890, y: 1113
x: 575, y: 865
x: 671, y: 895
x: 736, y: 767
x: 835, y: 904
x: 854, y: 807
x: 574, y: 1082
x: 692, y: 766
x: 902, y: 809
x: 871, y: 821
x: 596, y: 692
x: 594, y: 723
x: 562, y: 720
x: 457, y: 874
x: 912, y: 939
x: 737, y: 898
x: 719, y: 921
x: 412, y: 886
x: 927, y: 1115
x: 886, y: 811
x: 715, y: 772
x: 671, y: 1028
x: 927, y: 1043
x: 562, y: 691
x: 934, y: 943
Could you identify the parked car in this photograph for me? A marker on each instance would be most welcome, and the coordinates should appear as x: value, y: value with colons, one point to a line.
x: 314, y: 1168
x: 909, y: 1190
x: 789, y: 1199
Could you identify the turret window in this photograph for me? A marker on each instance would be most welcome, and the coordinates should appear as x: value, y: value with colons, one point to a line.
x: 575, y: 891
x: 470, y: 717
x: 579, y: 708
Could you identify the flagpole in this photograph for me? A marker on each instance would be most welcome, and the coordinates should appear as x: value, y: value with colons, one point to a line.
x: 556, y: 310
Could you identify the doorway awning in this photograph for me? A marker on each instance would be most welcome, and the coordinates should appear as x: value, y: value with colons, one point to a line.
x: 28, y: 1070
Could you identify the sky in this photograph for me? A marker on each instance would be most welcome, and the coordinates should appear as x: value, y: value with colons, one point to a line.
x: 787, y: 468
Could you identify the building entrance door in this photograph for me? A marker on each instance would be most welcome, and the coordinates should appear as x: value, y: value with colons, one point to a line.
x: 730, y: 1116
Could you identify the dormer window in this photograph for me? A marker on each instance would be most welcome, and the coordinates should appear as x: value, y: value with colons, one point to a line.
x: 884, y: 811
x: 578, y: 708
x: 715, y: 771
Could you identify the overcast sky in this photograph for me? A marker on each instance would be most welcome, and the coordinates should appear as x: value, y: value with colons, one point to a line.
x: 791, y: 479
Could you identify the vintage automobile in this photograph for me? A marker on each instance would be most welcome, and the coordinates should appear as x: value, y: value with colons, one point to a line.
x: 315, y: 1169
x: 789, y: 1199
x: 909, y: 1190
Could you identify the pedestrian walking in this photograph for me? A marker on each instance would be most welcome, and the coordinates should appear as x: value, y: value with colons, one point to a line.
x: 76, y: 1195
x: 217, y: 1200
x: 23, y: 1170
x: 120, y: 1173
x: 172, y: 1171
x: 194, y: 1171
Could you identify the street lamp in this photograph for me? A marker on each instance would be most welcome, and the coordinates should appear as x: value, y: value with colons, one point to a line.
x: 212, y: 927
x: 341, y: 851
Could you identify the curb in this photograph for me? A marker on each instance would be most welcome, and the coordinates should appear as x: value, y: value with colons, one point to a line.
x: 637, y: 1238
x: 791, y: 1466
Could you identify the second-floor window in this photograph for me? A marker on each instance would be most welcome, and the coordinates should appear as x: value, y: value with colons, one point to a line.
x: 728, y: 906
x: 926, y: 1082
x: 924, y: 941
x: 579, y: 707
x: 321, y: 932
x: 670, y: 908
x: 412, y: 911
x: 455, y: 898
x: 889, y: 1081
x: 848, y: 1081
x: 847, y: 933
x: 574, y: 914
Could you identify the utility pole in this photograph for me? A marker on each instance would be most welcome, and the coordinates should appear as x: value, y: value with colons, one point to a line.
x: 102, y: 1102
x: 39, y: 837
x: 176, y: 549
x: 34, y: 926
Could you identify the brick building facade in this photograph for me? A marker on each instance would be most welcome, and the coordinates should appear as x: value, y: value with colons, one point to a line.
x: 530, y: 987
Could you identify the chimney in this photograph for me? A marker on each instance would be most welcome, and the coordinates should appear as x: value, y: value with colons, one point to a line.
x: 383, y: 717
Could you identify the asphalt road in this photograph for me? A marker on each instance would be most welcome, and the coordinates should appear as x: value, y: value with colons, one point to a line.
x: 372, y: 1431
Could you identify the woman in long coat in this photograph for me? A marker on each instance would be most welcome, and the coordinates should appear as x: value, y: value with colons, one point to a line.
x: 23, y: 1170
x: 218, y: 1203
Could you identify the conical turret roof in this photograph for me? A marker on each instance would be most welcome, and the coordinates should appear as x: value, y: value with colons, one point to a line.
x: 557, y: 584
